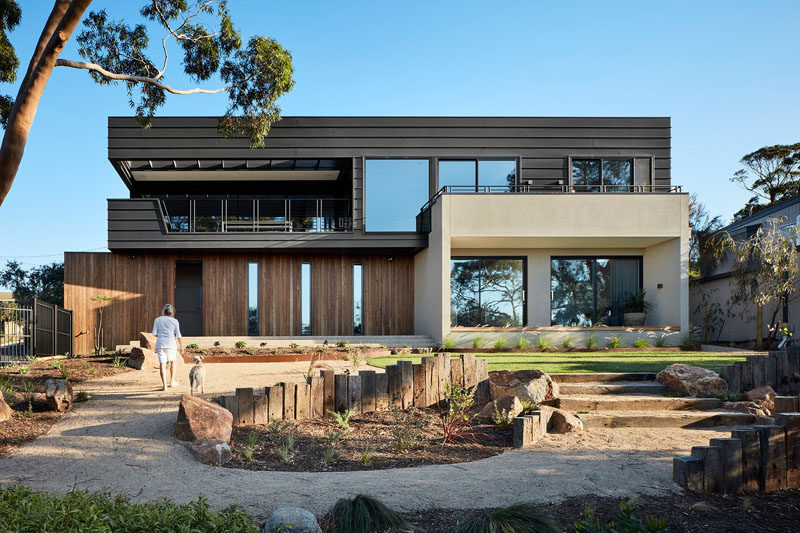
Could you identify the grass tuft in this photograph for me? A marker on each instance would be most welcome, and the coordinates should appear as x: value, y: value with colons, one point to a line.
x: 363, y: 514
x: 517, y: 518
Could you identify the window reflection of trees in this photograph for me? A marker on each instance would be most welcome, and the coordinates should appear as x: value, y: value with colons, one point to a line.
x: 487, y: 292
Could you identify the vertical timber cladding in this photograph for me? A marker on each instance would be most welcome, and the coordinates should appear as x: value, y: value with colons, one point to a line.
x: 140, y: 285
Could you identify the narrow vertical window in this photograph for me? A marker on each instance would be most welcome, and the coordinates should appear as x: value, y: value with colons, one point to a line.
x: 252, y: 299
x: 358, y: 299
x: 305, y: 298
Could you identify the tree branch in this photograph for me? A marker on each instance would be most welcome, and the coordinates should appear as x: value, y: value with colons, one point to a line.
x: 135, y: 79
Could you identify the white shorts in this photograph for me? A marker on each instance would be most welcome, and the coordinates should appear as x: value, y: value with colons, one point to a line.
x: 166, y: 354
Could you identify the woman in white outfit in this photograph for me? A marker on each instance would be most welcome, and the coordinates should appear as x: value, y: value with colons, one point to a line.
x: 167, y: 331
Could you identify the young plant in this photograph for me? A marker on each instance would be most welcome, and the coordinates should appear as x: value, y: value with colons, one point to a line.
x: 69, y: 355
x: 522, y: 342
x: 81, y: 396
x: 342, y: 344
x: 406, y: 428
x: 343, y: 419
x: 567, y: 343
x: 615, y: 341
x: 448, y: 343
x: 501, y: 420
x: 278, y: 427
x: 591, y: 341
x: 356, y: 356
x: 628, y: 522
x: 330, y: 456
x: 240, y: 344
x: 690, y: 339
x: 192, y: 346
x: 294, y: 346
x: 252, y: 440
x: 641, y: 342
x: 367, y: 456
x: 283, y: 453
x: 64, y: 373
x: 518, y: 518
x: 500, y: 343
x: 335, y: 437
x: 364, y: 514
x: 23, y: 370
x: 31, y: 358
x: 118, y: 362
x: 56, y: 364
x: 529, y: 407
x: 543, y: 342
x: 477, y: 340
x: 102, y: 301
x: 457, y: 414
x: 661, y: 341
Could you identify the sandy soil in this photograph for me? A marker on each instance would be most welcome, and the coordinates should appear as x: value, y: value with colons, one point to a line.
x: 121, y: 440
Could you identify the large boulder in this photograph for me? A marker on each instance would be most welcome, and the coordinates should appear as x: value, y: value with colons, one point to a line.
x: 764, y: 397
x: 5, y: 410
x: 692, y: 380
x: 507, y: 406
x: 210, y: 452
x: 147, y: 340
x: 291, y: 520
x: 564, y: 422
x: 142, y: 358
x: 199, y: 419
x: 527, y: 385
x: 59, y: 394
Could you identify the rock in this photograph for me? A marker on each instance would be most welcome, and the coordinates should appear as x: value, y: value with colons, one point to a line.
x: 142, y: 358
x: 210, y: 452
x: 763, y: 396
x: 746, y: 407
x: 5, y: 410
x: 527, y: 385
x: 292, y: 520
x: 509, y: 404
x: 199, y: 419
x: 692, y: 380
x: 59, y: 394
x: 564, y: 422
x: 702, y: 507
x: 147, y: 340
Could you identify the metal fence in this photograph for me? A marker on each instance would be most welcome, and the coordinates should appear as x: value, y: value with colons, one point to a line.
x: 40, y: 330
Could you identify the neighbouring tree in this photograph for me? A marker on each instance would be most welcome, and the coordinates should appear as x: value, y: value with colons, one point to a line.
x: 703, y: 227
x: 253, y: 74
x: 766, y: 269
x: 45, y: 282
x: 771, y: 174
x: 487, y: 292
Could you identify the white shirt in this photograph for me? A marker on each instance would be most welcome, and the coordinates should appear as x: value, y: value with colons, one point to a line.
x: 166, y: 329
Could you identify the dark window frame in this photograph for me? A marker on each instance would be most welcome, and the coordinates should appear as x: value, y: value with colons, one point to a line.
x: 524, y: 259
x: 515, y: 158
x: 632, y: 158
x: 364, y: 223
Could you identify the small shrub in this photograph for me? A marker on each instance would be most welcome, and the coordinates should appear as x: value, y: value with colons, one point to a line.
x: 64, y: 373
x: 458, y: 413
x: 615, y: 341
x: 31, y: 358
x: 500, y: 342
x: 335, y: 437
x: 69, y: 355
x: 501, y: 419
x: 192, y: 346
x: 567, y: 343
x: 252, y: 440
x: 56, y: 364
x: 330, y: 456
x: 628, y: 522
x: 517, y: 518
x: 81, y: 396
x: 294, y: 346
x: 448, y: 343
x: 406, y: 428
x: 284, y: 453
x: 23, y: 370
x: 342, y: 344
x: 661, y: 341
x: 522, y: 342
x: 690, y: 339
x: 343, y: 419
x: 118, y: 362
x: 641, y: 342
x: 240, y: 344
x: 278, y: 427
x: 543, y: 342
x: 591, y: 341
x: 529, y: 407
x: 364, y: 514
x: 355, y: 356
x: 367, y: 456
x: 477, y: 340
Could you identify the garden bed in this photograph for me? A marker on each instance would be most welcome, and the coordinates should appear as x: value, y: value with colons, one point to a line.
x: 378, y: 433
x: 650, y: 349
x: 280, y: 355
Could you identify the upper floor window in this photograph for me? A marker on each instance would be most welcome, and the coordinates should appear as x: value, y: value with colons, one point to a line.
x: 611, y: 174
x: 466, y: 175
x: 395, y: 190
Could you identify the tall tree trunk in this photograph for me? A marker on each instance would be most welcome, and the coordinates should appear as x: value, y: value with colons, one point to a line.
x: 63, y: 19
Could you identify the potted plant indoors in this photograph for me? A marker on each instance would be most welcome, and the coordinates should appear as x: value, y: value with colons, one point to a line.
x: 636, y: 308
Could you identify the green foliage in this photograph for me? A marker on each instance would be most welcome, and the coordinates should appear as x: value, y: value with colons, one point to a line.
x: 407, y: 427
x: 591, y: 341
x: 335, y: 437
x: 356, y: 356
x: 363, y: 514
x: 56, y: 364
x: 690, y: 339
x: 118, y: 362
x: 64, y: 373
x: 330, y: 456
x: 241, y: 344
x: 674, y: 394
x: 517, y: 518
x: 342, y: 344
x: 81, y: 396
x: 567, y: 343
x: 192, y: 346
x: 458, y: 412
x: 636, y: 302
x: 728, y: 396
x: 252, y: 440
x: 44, y: 282
x: 23, y: 369
x: 71, y: 355
x: 501, y: 342
x: 529, y: 407
x: 31, y: 358
x: 477, y: 341
x: 627, y: 522
x: 24, y: 511
x: 501, y: 420
x: 367, y: 456
x: 294, y: 345
x: 771, y: 174
x: 448, y: 343
x: 543, y: 342
x: 615, y: 341
x: 278, y: 427
x: 522, y: 342
x: 343, y: 419
x: 641, y: 342
x: 661, y: 341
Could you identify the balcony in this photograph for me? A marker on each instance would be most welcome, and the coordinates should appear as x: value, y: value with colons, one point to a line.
x: 257, y: 215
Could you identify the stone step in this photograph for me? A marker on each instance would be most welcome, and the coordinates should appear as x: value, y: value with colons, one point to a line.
x: 636, y: 402
x: 619, y: 387
x: 675, y: 419
x: 602, y: 377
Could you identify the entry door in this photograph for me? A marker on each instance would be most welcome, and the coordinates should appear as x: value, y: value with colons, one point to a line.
x: 189, y: 297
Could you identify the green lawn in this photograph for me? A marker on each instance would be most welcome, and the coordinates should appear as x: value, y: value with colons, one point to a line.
x: 590, y: 361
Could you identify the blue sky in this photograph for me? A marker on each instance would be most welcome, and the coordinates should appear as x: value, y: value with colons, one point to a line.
x: 726, y: 72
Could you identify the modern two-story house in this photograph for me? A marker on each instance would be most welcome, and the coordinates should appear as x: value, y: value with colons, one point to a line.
x: 389, y: 226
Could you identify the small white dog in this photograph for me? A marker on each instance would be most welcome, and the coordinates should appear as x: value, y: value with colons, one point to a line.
x: 197, y: 376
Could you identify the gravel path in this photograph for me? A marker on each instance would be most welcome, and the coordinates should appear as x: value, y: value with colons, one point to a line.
x: 121, y: 440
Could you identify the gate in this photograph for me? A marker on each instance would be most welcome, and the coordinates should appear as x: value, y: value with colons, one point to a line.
x: 41, y: 330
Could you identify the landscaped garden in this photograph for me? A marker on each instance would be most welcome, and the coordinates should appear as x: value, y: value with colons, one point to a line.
x: 600, y: 361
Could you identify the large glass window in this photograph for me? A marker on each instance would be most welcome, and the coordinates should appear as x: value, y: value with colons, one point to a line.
x: 466, y: 175
x: 305, y: 298
x: 252, y: 299
x: 487, y: 291
x: 610, y: 175
x: 395, y: 190
x: 239, y: 215
x: 588, y: 291
x: 177, y: 214
x: 208, y: 215
x: 358, y: 299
